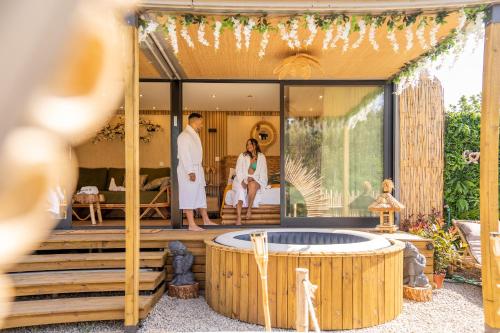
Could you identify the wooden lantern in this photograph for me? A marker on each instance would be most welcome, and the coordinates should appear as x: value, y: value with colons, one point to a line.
x: 386, y: 205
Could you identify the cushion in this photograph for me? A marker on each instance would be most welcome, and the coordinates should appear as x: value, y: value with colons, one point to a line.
x: 93, y: 177
x: 156, y: 184
x: 145, y: 197
x: 472, y: 233
x: 118, y: 174
x: 154, y: 173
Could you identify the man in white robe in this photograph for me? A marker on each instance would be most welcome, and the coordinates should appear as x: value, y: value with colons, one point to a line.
x: 190, y: 172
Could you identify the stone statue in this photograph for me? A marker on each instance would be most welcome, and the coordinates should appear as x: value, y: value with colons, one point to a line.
x: 413, y: 267
x: 183, y: 260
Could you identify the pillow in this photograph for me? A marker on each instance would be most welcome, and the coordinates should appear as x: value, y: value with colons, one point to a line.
x: 155, y: 184
x: 142, y: 180
x: 471, y: 230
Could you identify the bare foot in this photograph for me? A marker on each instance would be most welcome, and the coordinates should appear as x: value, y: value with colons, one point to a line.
x: 238, y: 221
x: 248, y: 216
x: 208, y: 222
x: 195, y: 227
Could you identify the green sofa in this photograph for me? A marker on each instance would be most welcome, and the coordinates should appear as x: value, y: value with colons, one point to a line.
x: 149, y: 200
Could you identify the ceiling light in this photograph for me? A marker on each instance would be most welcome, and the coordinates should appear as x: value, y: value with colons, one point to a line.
x: 320, y: 96
x: 154, y: 107
x: 121, y: 107
x: 217, y: 108
x: 213, y: 95
x: 140, y: 95
x: 185, y: 108
x: 310, y: 109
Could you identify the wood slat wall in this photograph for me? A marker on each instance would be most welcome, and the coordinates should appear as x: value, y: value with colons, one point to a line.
x: 422, y: 147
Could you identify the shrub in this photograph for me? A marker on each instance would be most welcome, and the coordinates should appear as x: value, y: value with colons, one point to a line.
x: 461, y: 180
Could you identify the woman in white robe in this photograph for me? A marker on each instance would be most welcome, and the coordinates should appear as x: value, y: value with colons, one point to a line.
x: 250, y: 180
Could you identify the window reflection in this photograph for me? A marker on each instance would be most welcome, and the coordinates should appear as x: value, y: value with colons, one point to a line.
x: 333, y: 149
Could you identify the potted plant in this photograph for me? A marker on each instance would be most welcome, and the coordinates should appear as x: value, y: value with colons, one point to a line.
x: 445, y: 251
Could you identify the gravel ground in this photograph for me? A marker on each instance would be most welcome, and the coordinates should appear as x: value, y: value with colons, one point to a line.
x: 455, y: 308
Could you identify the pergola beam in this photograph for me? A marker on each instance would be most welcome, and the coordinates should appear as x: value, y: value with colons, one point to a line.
x: 490, y: 116
x: 132, y: 223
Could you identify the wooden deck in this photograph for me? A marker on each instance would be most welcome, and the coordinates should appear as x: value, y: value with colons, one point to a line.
x: 92, y: 260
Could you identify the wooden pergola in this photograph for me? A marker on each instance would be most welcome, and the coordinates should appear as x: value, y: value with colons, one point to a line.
x: 489, y: 122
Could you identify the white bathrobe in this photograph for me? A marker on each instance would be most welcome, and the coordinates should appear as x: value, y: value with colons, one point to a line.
x: 260, y: 175
x: 190, y: 154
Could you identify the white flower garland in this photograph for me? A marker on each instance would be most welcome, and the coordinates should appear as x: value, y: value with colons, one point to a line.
x: 328, y: 37
x: 345, y: 36
x: 391, y: 36
x: 340, y: 30
x: 263, y: 44
x: 144, y: 32
x: 420, y: 35
x: 362, y: 32
x: 201, y: 34
x: 433, y: 33
x: 313, y: 29
x: 371, y: 37
x: 237, y: 32
x: 247, y: 32
x: 294, y: 34
x: 409, y: 37
x: 217, y: 29
x: 185, y: 34
x: 172, y: 34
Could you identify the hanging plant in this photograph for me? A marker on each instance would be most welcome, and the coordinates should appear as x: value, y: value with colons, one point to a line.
x: 326, y: 24
x: 361, y: 28
x: 201, y: 20
x: 170, y: 28
x: 312, y: 27
x: 217, y: 29
x: 187, y: 20
x: 146, y: 27
x: 247, y: 31
x: 264, y: 28
x: 237, y: 30
x: 421, y: 32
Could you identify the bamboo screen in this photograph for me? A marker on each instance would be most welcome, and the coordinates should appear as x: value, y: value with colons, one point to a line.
x: 422, y: 147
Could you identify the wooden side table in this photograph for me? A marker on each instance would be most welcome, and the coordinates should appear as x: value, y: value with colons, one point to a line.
x: 90, y: 200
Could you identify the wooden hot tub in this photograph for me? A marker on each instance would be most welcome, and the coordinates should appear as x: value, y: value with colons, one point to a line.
x: 360, y: 283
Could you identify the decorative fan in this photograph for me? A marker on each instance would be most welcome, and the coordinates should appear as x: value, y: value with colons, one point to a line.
x: 299, y: 65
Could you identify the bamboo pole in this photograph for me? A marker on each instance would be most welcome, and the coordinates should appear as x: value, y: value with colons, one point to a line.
x: 346, y: 172
x: 132, y: 227
x: 302, y: 315
x: 260, y: 251
x: 489, y: 167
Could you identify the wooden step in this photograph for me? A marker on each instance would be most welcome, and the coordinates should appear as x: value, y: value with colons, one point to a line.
x: 66, y: 261
x: 232, y: 210
x: 60, y: 282
x: 69, y: 310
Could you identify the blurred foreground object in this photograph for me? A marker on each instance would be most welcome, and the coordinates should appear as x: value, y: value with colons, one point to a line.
x: 61, y: 81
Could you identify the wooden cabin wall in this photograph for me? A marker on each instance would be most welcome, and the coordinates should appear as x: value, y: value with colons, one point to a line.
x: 422, y: 122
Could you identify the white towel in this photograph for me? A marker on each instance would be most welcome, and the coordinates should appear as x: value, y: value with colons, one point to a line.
x: 88, y: 190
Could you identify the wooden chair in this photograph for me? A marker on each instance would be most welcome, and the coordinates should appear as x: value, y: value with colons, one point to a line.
x: 468, y: 259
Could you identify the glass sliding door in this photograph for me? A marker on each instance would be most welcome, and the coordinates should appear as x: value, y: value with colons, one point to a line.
x: 333, y: 152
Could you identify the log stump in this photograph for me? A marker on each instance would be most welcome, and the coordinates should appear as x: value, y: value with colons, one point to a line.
x: 183, y: 292
x: 418, y: 294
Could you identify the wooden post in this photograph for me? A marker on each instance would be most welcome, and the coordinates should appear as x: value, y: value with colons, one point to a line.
x: 302, y: 314
x: 132, y: 227
x: 489, y: 167
x: 260, y: 250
